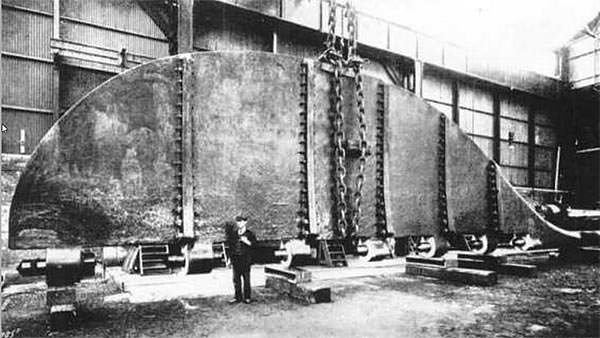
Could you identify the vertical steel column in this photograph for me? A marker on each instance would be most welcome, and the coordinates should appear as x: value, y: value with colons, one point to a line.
x: 1, y: 133
x: 531, y: 145
x: 496, y: 127
x: 275, y: 38
x: 56, y: 20
x: 455, y: 102
x: 419, y: 78
x: 185, y: 26
x: 56, y: 59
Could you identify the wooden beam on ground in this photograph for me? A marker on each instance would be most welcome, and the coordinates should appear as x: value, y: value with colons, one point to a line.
x: 294, y: 274
x: 422, y: 260
x: 461, y: 275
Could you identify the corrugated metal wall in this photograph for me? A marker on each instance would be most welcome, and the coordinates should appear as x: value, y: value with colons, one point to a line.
x: 28, y: 85
x: 113, y: 24
x: 27, y: 88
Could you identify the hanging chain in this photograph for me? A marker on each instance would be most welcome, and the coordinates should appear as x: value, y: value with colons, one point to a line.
x: 340, y: 152
x: 355, y: 62
x: 333, y: 56
x: 332, y: 51
x: 341, y: 59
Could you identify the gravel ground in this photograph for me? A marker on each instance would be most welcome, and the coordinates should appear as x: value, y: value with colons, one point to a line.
x: 563, y: 301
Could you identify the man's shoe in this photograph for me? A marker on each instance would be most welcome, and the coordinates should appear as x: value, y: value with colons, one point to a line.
x: 247, y: 300
x: 234, y: 301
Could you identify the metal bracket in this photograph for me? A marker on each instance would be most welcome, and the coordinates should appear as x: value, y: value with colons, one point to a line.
x: 353, y: 148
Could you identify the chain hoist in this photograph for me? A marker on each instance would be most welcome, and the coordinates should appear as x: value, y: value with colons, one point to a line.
x: 355, y: 62
x: 333, y: 56
x: 340, y: 60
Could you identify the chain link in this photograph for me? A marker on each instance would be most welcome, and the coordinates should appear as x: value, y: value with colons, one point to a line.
x: 341, y: 59
x: 355, y: 62
x: 331, y: 52
x: 340, y: 152
x: 362, y: 131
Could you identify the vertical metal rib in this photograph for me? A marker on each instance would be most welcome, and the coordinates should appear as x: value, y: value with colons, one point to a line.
x: 380, y: 162
x: 303, y: 210
x: 178, y: 148
x: 493, y: 224
x: 442, y: 200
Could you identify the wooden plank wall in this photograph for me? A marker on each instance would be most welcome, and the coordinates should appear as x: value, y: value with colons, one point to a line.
x: 546, y: 143
x: 514, y: 154
x: 30, y: 92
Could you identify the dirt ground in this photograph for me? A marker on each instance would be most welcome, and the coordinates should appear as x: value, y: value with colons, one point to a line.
x: 564, y: 301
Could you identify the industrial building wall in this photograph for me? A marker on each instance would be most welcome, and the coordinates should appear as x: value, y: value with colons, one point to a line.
x: 27, y: 66
x: 32, y: 87
x: 112, y: 24
x: 527, y: 141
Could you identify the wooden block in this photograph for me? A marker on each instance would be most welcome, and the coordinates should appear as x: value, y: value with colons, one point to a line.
x: 423, y: 260
x: 296, y: 274
x: 492, y: 260
x: 303, y: 292
x: 475, y: 264
x: 466, y: 276
x: 521, y: 270
x: 530, y: 260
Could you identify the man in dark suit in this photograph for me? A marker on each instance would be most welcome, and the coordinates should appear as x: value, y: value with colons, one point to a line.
x: 240, y: 241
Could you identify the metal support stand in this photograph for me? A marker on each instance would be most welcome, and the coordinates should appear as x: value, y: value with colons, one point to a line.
x: 64, y: 268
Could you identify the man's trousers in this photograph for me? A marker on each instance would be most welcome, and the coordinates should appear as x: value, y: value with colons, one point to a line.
x: 241, y: 271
